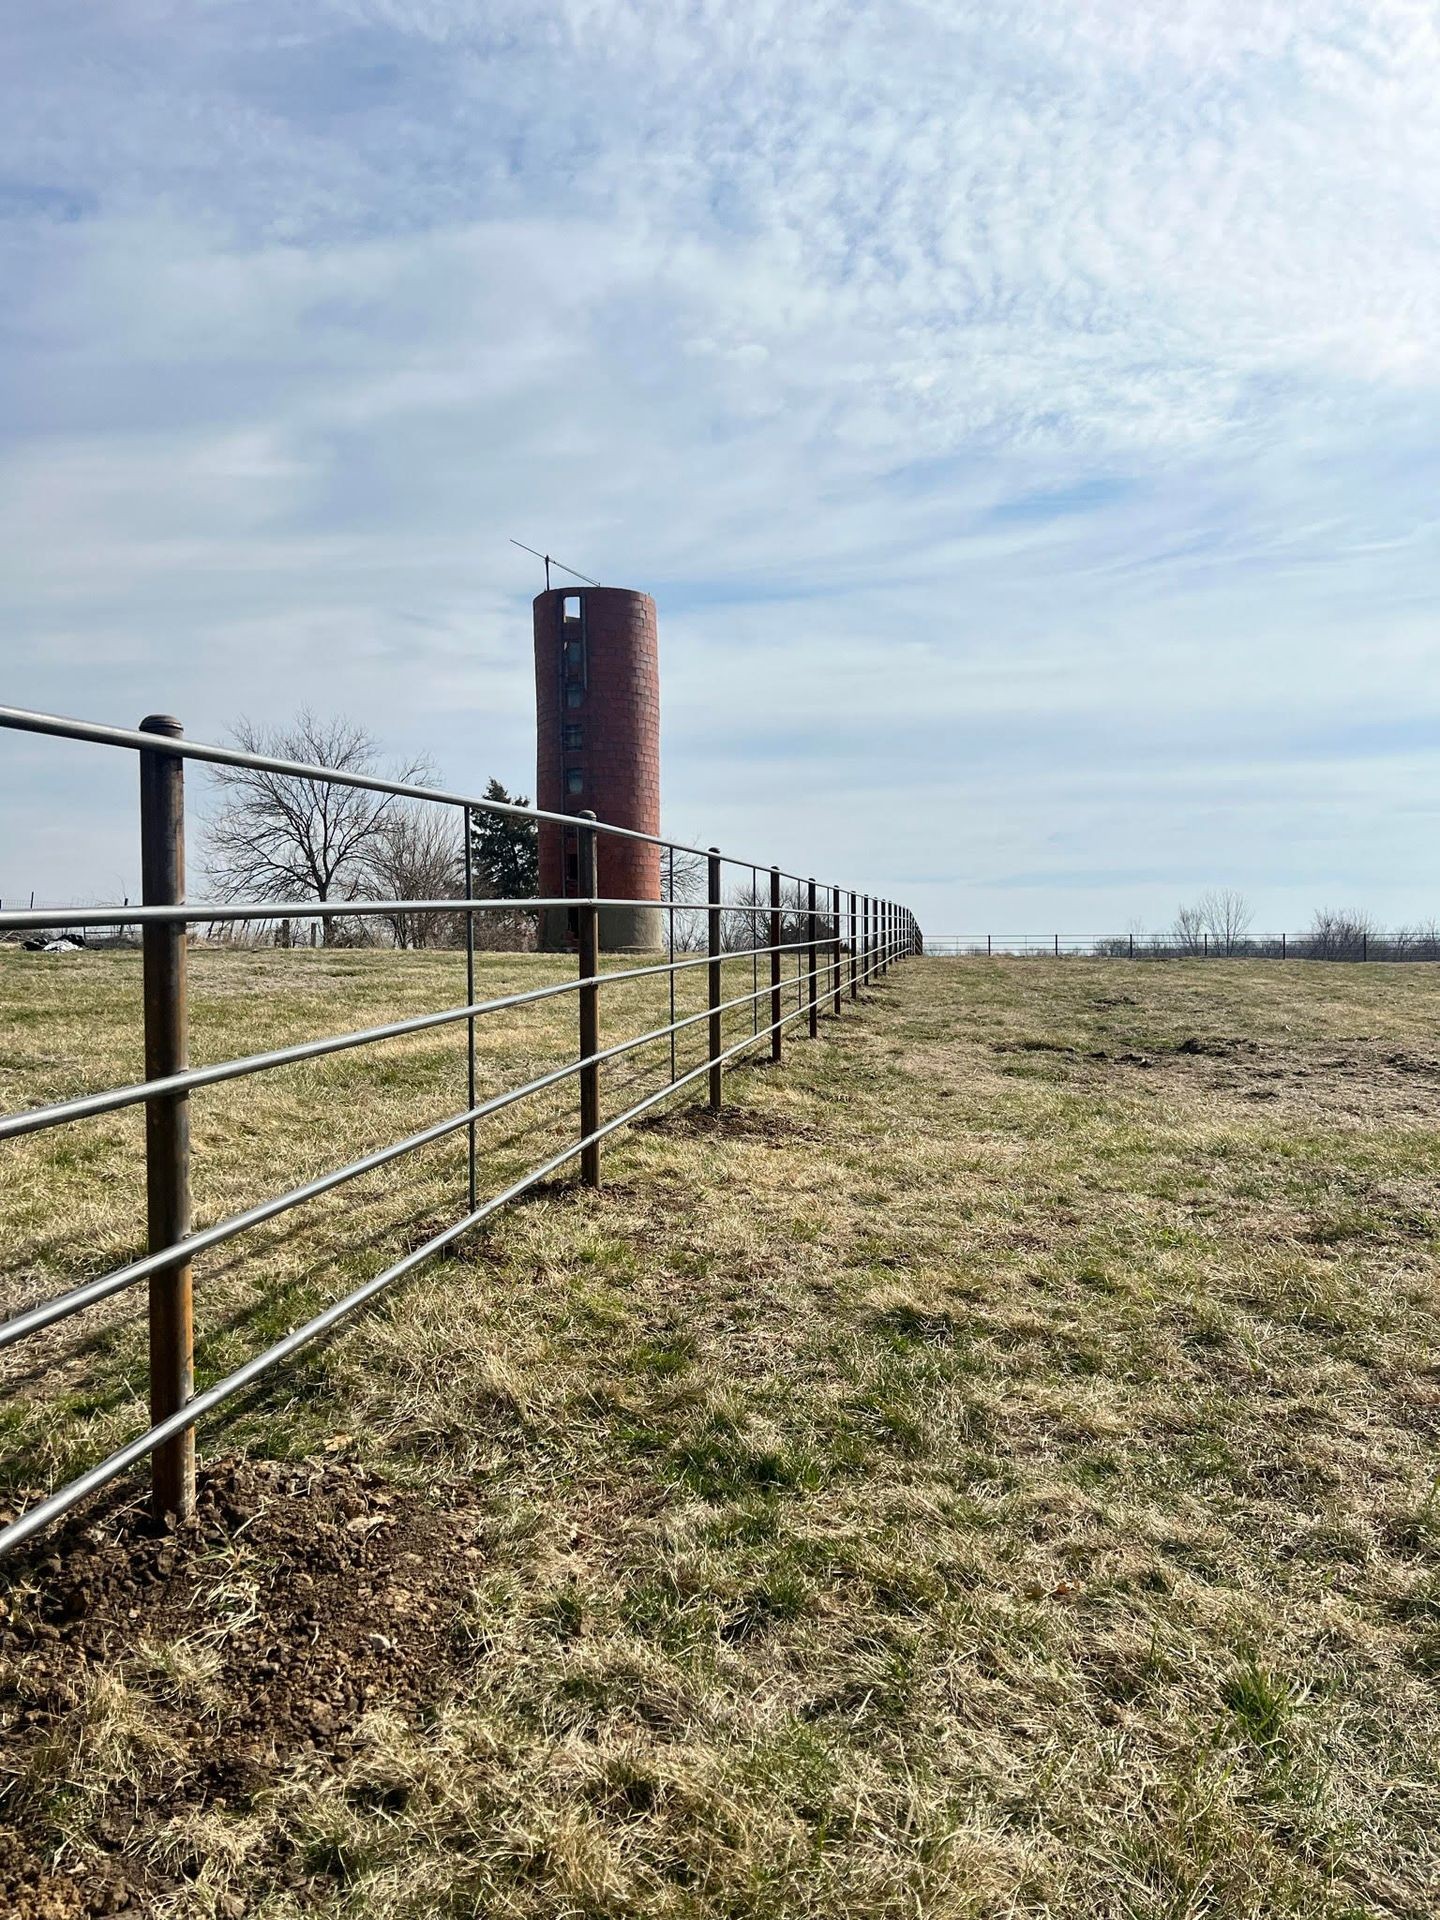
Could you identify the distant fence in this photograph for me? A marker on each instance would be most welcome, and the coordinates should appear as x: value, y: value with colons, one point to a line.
x: 820, y: 945
x: 1145, y: 946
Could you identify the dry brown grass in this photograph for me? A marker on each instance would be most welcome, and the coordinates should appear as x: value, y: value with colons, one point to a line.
x: 990, y: 1471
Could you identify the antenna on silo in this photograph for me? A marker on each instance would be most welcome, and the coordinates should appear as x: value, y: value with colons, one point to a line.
x: 574, y: 572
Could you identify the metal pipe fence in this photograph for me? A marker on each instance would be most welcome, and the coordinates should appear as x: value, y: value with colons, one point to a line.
x: 855, y: 929
x: 1359, y: 945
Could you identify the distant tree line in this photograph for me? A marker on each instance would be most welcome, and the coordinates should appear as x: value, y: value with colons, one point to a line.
x: 1219, y: 923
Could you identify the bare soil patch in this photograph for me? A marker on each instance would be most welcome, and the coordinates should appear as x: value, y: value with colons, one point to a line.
x: 303, y: 1597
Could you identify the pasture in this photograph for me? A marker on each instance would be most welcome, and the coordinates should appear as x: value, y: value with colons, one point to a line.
x: 989, y: 1469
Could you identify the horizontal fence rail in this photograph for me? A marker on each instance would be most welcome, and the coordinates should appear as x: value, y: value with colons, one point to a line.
x: 820, y: 945
x: 1357, y: 944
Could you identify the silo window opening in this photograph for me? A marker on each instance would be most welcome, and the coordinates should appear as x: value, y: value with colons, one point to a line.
x: 574, y: 694
x: 574, y: 780
x: 572, y: 634
x: 574, y: 735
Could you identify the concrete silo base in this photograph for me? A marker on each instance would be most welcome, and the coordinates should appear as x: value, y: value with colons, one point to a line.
x: 622, y: 930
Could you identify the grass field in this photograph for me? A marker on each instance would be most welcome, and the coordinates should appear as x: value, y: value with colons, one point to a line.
x: 989, y: 1471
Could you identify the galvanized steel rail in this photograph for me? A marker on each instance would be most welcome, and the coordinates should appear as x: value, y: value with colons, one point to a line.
x: 848, y: 939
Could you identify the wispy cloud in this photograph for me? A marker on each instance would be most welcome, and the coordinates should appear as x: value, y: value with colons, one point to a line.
x: 1032, y: 405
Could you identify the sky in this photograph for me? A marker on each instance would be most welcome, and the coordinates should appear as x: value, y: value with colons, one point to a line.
x: 1026, y: 417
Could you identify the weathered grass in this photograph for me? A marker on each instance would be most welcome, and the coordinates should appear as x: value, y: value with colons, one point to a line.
x: 990, y: 1471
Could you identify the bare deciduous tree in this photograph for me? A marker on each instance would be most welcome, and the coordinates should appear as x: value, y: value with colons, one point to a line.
x: 416, y: 854
x: 1226, y: 916
x: 1188, y: 932
x: 1216, y: 923
x: 287, y: 837
x: 1342, y: 933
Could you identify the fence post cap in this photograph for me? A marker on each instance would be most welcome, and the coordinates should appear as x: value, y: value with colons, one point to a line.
x: 161, y: 723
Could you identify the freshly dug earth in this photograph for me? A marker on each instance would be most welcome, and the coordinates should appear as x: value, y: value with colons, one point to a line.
x: 988, y: 1470
x: 302, y: 1598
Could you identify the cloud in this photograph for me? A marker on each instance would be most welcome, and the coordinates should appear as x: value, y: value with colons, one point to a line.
x: 987, y: 392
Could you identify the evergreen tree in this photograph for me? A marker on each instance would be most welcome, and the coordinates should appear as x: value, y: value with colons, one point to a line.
x: 505, y: 850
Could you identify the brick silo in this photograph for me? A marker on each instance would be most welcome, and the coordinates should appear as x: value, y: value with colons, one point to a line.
x: 597, y: 711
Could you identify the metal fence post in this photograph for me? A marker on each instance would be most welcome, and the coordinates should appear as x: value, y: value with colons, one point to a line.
x: 670, y: 960
x: 776, y: 934
x: 470, y: 997
x: 712, y: 923
x: 854, y: 952
x: 812, y: 962
x: 752, y: 927
x: 167, y: 1120
x: 835, y: 946
x: 588, y: 926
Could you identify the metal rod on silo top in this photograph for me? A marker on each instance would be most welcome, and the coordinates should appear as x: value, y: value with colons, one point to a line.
x: 167, y: 1119
x: 812, y: 955
x: 470, y: 996
x: 588, y: 922
x: 776, y: 935
x: 712, y: 928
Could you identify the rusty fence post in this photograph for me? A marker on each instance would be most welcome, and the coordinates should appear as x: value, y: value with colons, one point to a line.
x: 670, y: 959
x: 167, y: 1120
x: 752, y: 924
x: 812, y: 961
x: 835, y: 949
x: 712, y: 973
x: 588, y: 927
x: 470, y: 996
x: 854, y: 951
x: 776, y: 934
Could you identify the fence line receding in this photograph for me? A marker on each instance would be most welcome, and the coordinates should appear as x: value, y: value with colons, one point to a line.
x: 821, y: 945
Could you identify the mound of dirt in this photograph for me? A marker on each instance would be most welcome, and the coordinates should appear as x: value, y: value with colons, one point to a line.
x: 313, y: 1593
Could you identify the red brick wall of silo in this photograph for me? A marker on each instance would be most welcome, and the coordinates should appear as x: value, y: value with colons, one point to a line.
x: 617, y: 712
